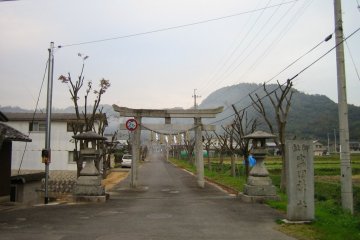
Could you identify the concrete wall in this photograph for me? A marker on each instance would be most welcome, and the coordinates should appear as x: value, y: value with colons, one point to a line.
x: 28, y: 193
x: 60, y: 147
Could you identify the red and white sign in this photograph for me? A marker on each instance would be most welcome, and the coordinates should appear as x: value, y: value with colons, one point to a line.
x: 131, y: 124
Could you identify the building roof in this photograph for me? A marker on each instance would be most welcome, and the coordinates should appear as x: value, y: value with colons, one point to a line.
x: 57, y: 117
x: 3, y: 118
x: 39, y: 116
x: 12, y: 134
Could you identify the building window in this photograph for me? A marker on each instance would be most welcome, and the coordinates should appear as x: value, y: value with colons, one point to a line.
x: 71, y: 157
x: 37, y: 126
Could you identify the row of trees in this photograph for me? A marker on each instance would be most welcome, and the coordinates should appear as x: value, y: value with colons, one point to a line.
x: 231, y: 139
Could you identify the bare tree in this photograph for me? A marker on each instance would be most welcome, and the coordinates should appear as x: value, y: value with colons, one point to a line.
x: 223, y: 142
x: 243, y: 126
x: 109, y: 150
x: 231, y: 146
x: 189, y: 144
x: 85, y: 121
x: 280, y: 99
x: 208, y: 142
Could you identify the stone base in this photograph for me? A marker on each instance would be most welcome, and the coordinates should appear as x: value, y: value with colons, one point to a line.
x: 259, y: 181
x: 260, y: 190
x: 257, y: 199
x: 89, y: 186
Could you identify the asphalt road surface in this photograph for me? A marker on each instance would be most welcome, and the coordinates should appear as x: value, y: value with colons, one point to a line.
x: 167, y: 205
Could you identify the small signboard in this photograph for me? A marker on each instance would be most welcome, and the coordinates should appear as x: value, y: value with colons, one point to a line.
x: 131, y: 124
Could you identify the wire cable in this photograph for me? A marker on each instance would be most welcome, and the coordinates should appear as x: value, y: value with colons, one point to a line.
x: 225, y: 59
x: 173, y: 27
x: 288, y: 66
x: 352, y: 59
x: 269, y: 48
x: 237, y: 47
x: 233, y: 66
x: 33, y: 116
x: 296, y: 16
x: 296, y: 75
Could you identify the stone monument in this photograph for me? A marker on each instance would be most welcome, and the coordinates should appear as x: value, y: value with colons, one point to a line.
x: 300, y: 180
x: 88, y: 185
x: 259, y: 186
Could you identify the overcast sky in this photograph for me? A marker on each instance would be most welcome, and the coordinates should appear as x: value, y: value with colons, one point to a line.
x: 162, y: 69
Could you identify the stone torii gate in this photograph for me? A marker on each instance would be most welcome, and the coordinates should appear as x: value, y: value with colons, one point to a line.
x: 167, y: 114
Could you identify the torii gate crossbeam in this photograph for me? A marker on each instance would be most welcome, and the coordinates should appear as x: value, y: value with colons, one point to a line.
x: 167, y: 114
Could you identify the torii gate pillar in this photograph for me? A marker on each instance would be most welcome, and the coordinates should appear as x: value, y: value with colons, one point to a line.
x: 199, y: 157
x: 136, y: 154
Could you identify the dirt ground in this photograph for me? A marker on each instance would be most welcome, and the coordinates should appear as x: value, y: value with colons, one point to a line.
x: 113, y: 178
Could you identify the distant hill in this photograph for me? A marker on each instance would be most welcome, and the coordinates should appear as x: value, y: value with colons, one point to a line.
x: 310, y: 116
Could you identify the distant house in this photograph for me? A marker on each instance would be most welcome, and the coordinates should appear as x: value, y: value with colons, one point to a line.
x: 354, y: 146
x: 8, y: 137
x: 319, y: 148
x: 27, y: 156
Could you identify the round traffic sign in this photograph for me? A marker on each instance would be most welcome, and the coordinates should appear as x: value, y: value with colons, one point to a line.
x: 131, y: 124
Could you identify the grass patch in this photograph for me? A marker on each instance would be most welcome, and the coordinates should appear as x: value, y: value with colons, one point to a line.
x: 335, y: 223
x: 219, y: 174
x: 301, y: 231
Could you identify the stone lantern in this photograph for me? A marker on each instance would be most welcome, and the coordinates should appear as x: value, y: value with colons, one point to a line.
x: 88, y: 185
x: 259, y: 186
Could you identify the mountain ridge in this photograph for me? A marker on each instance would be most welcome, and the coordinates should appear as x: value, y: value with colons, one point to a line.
x: 311, y: 116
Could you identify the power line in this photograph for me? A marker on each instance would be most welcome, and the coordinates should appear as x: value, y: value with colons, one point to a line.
x: 228, y: 71
x: 352, y: 59
x: 225, y: 59
x: 33, y: 116
x: 296, y: 16
x: 296, y: 75
x: 288, y: 66
x: 281, y: 35
x: 174, y: 27
x: 238, y: 46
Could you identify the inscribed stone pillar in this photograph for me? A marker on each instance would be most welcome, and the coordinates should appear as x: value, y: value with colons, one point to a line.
x: 300, y: 180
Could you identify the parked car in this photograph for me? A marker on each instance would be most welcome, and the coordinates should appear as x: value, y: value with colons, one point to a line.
x: 126, y: 160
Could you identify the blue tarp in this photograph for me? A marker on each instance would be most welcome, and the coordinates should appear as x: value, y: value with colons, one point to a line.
x: 252, y: 161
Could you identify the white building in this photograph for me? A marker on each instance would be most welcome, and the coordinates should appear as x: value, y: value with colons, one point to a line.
x: 27, y: 156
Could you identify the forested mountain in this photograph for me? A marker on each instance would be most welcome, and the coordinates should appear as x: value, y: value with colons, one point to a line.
x: 310, y: 116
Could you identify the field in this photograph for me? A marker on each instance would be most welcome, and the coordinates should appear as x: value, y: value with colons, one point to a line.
x: 331, y: 222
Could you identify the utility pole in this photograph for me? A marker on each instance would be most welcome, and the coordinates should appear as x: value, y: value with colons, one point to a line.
x: 195, y: 96
x: 328, y: 146
x: 335, y: 149
x: 345, y: 163
x: 46, y: 153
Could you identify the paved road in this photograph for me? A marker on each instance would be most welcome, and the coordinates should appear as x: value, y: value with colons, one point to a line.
x: 167, y: 205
